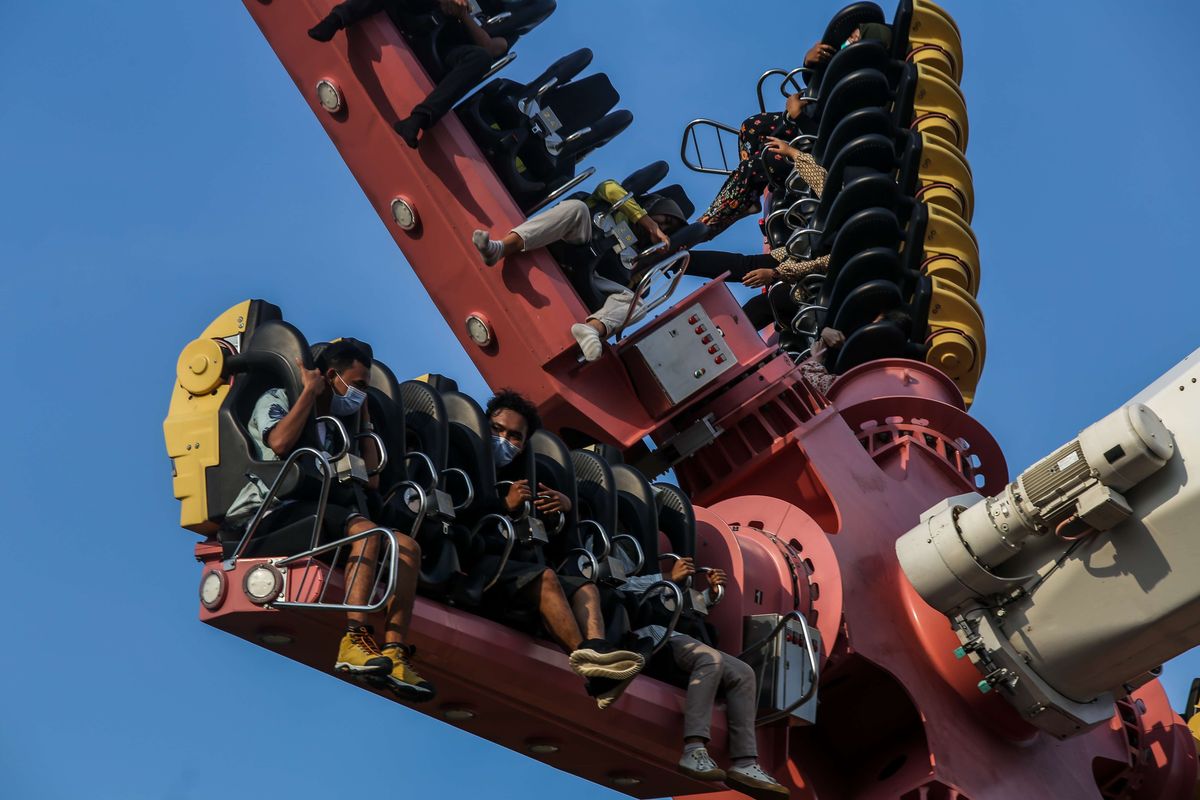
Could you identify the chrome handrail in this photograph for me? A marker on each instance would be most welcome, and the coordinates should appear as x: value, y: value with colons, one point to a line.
x: 341, y: 429
x: 810, y: 651
x: 503, y: 15
x: 555, y: 148
x: 582, y: 551
x: 603, y: 534
x: 383, y: 456
x: 510, y: 537
x: 427, y: 461
x: 677, y: 593
x: 560, y: 191
x: 699, y: 165
x: 393, y: 565
x: 508, y: 58
x: 661, y: 268
x: 326, y: 479
x: 719, y: 594
x: 466, y: 480
x: 787, y: 77
x: 637, y: 546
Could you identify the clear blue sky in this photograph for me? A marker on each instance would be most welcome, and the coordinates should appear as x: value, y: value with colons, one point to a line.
x: 159, y: 165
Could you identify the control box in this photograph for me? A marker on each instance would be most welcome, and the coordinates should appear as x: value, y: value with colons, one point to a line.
x: 784, y: 666
x: 686, y: 354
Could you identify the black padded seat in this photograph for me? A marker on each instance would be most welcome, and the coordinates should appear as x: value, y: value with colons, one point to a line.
x: 676, y: 518
x: 869, y: 343
x: 270, y: 350
x: 863, y: 304
x: 872, y: 227
x: 470, y: 450
x: 637, y: 516
x: 847, y: 19
x: 866, y: 54
x: 596, y: 492
x: 643, y: 180
x: 676, y: 192
x: 554, y: 467
x: 864, y: 88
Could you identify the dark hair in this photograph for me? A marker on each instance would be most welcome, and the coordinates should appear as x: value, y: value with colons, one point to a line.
x: 341, y: 355
x: 513, y: 401
x: 900, y: 318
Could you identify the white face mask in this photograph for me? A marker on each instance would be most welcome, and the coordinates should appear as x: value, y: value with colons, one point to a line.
x: 343, y: 405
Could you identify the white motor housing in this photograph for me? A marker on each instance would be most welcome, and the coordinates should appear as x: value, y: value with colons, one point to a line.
x: 1080, y: 578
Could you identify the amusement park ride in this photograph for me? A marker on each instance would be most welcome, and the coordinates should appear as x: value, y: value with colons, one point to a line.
x: 922, y: 626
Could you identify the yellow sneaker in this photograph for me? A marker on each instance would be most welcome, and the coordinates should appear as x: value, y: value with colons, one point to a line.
x: 404, y: 681
x: 359, y: 655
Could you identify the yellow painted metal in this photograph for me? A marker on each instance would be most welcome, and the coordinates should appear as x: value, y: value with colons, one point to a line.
x: 939, y: 108
x: 951, y: 251
x: 957, y: 345
x: 934, y: 29
x: 190, y: 429
x: 1194, y: 726
x: 944, y: 178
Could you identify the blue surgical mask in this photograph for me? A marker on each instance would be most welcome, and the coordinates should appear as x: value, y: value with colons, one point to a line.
x: 503, y: 451
x: 343, y: 405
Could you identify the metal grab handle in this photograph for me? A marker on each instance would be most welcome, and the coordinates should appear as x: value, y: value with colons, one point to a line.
x: 561, y: 190
x: 503, y: 15
x: 807, y: 314
x: 526, y: 506
x: 428, y: 464
x: 659, y: 269
x: 617, y: 205
x: 383, y: 456
x: 802, y: 209
x: 791, y: 78
x: 510, y: 537
x: 545, y: 87
x: 326, y: 479
x: 637, y: 546
x: 422, y: 503
x: 341, y: 430
x: 794, y: 240
x: 719, y: 593
x: 508, y: 58
x: 810, y: 650
x: 466, y: 479
x: 600, y: 532
x: 788, y: 77
x: 555, y: 148
x: 393, y: 566
x: 677, y: 595
x: 591, y: 557
x: 698, y: 166
x: 657, y: 247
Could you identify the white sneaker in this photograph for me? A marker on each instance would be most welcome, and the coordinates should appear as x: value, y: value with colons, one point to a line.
x: 606, y: 699
x: 589, y: 341
x: 489, y: 249
x: 698, y: 764
x: 752, y: 780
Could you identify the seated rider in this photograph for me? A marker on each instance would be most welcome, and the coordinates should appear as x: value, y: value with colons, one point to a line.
x: 708, y: 670
x: 651, y: 219
x: 568, y: 606
x: 467, y: 60
x: 338, y: 388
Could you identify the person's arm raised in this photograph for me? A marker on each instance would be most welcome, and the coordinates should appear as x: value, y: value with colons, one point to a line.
x: 283, y: 436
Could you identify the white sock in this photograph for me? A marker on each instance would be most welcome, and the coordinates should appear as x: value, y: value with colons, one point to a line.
x: 589, y: 341
x: 743, y: 763
x: 489, y: 248
x: 689, y: 747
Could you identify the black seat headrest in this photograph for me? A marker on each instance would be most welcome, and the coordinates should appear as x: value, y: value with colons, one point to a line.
x: 874, y: 341
x: 637, y: 511
x: 676, y: 518
x: 596, y: 489
x: 845, y: 21
x: 646, y: 178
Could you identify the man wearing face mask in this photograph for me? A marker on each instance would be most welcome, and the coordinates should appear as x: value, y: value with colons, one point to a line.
x: 569, y: 607
x: 338, y: 388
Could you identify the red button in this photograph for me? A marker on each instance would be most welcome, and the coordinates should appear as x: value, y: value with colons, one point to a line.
x: 706, y: 339
x: 700, y: 329
x: 693, y: 319
x: 713, y: 349
x: 719, y: 360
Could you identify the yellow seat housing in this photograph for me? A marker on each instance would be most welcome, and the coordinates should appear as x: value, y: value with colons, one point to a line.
x: 957, y: 345
x: 934, y: 40
x: 944, y: 178
x: 190, y: 429
x: 939, y: 108
x: 951, y: 252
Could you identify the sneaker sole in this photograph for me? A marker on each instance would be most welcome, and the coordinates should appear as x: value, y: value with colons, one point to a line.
x: 619, y: 671
x: 756, y: 789
x: 711, y: 775
x: 590, y: 656
x: 605, y: 700
x: 405, y: 691
x: 360, y: 669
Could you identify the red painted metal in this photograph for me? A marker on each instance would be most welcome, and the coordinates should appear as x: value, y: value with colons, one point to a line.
x: 801, y: 499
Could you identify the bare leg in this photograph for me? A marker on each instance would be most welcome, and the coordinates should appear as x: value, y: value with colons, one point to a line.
x: 511, y: 243
x: 556, y: 612
x: 360, y: 568
x: 400, y: 609
x: 586, y: 605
